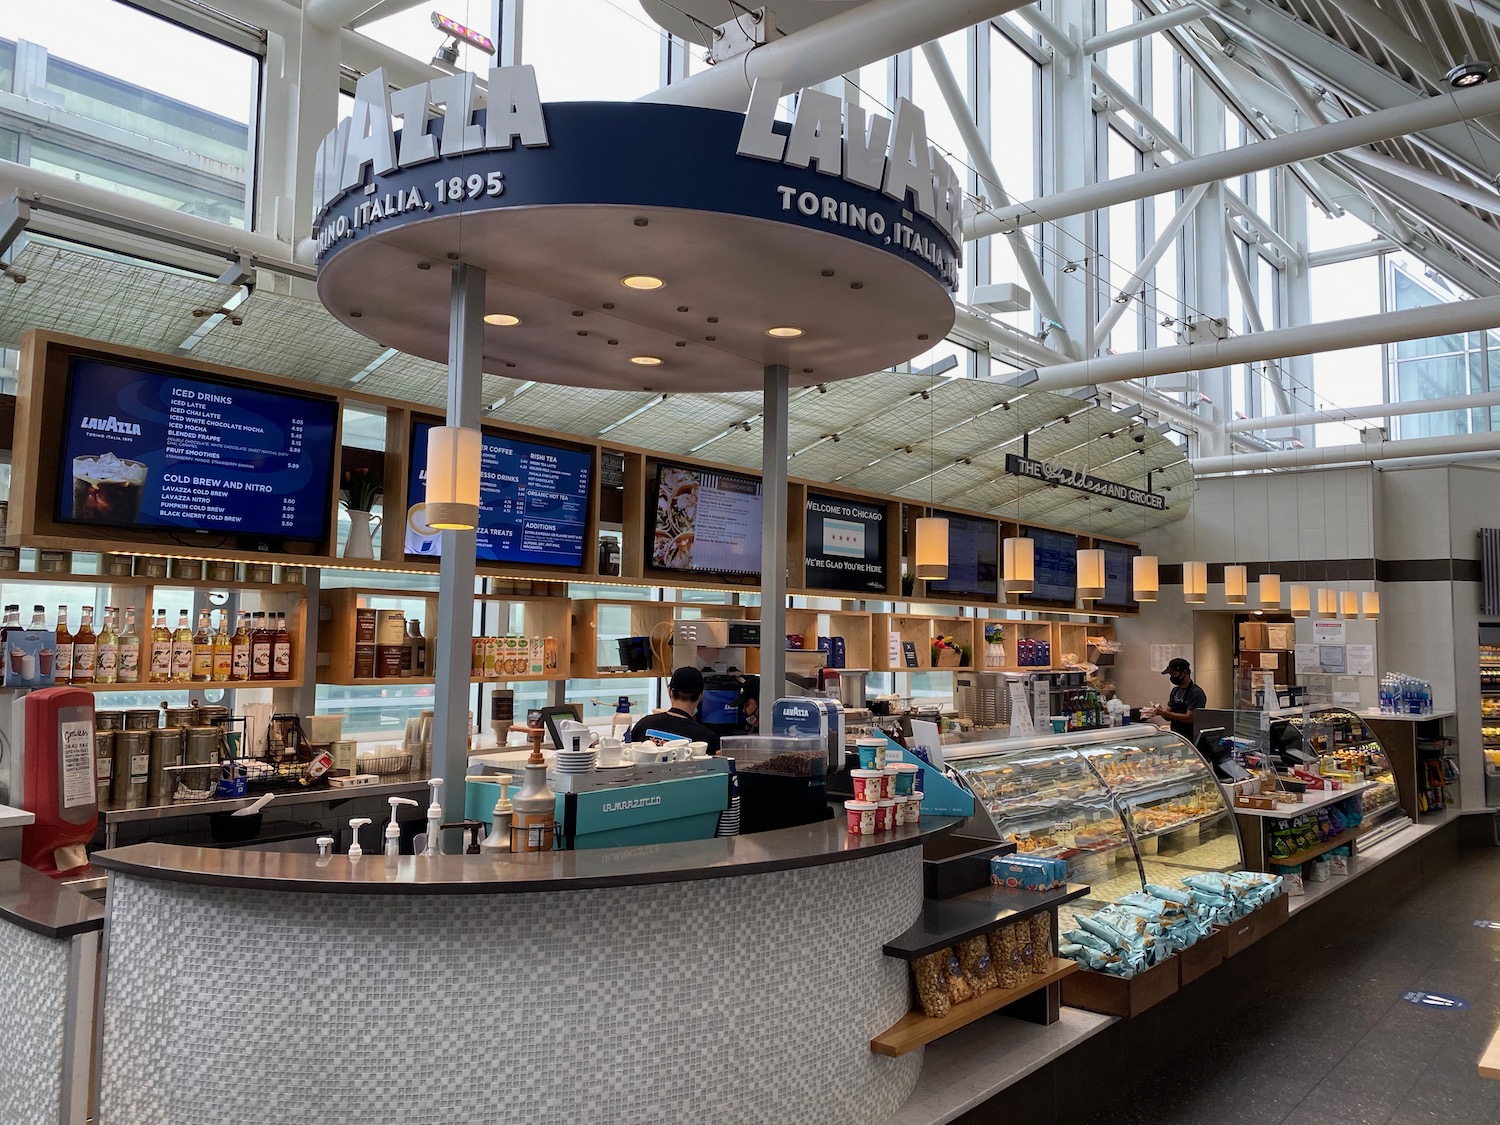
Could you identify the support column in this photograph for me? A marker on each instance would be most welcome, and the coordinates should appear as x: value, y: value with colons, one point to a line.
x: 1207, y: 281
x: 316, y: 112
x: 774, y: 403
x: 1069, y: 160
x: 454, y: 632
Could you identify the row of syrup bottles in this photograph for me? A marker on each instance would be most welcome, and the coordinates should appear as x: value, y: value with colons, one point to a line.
x: 259, y: 649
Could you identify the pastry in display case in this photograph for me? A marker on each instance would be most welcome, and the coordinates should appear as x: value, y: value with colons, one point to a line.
x: 1348, y: 751
x: 1123, y: 806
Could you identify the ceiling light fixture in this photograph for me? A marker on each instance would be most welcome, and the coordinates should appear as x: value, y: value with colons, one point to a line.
x: 641, y: 281
x: 1470, y: 73
x: 784, y: 332
x: 646, y: 360
x: 502, y: 320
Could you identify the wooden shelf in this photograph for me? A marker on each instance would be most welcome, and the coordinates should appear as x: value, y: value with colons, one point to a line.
x: 187, y: 685
x: 946, y: 921
x: 391, y: 681
x: 917, y: 1029
x: 1296, y: 858
x: 167, y: 583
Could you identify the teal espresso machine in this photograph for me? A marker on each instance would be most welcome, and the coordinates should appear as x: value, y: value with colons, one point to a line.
x: 656, y: 803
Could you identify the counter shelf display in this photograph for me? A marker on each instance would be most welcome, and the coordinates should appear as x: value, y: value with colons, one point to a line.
x: 1489, y: 715
x: 1123, y: 807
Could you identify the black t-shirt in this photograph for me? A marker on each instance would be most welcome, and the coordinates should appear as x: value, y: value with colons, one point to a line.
x: 676, y: 722
x: 1182, y: 699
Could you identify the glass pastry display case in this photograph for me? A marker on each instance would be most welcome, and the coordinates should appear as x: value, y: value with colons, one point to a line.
x: 1346, y: 748
x: 1125, y: 806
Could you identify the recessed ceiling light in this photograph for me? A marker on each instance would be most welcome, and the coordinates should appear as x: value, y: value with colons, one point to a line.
x: 504, y: 320
x: 784, y: 331
x: 642, y: 281
x: 646, y: 360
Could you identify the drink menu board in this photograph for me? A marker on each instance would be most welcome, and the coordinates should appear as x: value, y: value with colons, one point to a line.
x: 161, y: 449
x: 1056, y: 566
x: 533, y: 501
x: 706, y: 520
x: 1117, y: 575
x: 973, y: 558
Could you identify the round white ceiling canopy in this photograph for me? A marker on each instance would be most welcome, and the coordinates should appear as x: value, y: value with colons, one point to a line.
x: 692, y: 19
x: 727, y: 280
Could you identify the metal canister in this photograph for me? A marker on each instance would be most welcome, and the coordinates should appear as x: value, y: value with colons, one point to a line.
x: 166, y: 750
x: 131, y: 781
x: 104, y: 764
x: 182, y: 716
x: 142, y: 718
x: 201, y: 746
x: 109, y: 720
x: 211, y: 714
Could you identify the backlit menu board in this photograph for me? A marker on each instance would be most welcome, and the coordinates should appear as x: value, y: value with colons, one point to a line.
x: 155, y: 448
x: 706, y: 520
x: 1118, y: 575
x: 533, y: 501
x: 845, y: 544
x: 1056, y: 566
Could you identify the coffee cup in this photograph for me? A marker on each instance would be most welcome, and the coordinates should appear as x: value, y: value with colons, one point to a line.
x: 421, y: 538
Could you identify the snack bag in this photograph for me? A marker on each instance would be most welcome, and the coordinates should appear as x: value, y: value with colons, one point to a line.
x: 958, y: 987
x: 932, y: 982
x: 979, y: 969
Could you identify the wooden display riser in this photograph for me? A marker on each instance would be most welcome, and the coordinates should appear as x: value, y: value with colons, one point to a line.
x: 917, y: 1029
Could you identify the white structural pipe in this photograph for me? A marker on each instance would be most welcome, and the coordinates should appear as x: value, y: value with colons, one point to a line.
x: 1463, y: 192
x: 991, y: 185
x: 1141, y: 28
x: 1148, y: 263
x: 1357, y: 413
x: 1475, y: 315
x: 838, y: 45
x: 1465, y: 444
x: 205, y: 235
x: 1321, y: 140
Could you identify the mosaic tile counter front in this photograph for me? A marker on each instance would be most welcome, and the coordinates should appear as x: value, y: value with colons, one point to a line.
x: 719, y: 1002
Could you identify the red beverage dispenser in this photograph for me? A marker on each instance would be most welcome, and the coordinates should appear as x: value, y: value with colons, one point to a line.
x: 58, y: 779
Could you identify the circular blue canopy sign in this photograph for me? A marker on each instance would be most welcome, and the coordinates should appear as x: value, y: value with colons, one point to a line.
x: 838, y: 229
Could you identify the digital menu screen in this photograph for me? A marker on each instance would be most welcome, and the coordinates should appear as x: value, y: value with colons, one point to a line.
x: 161, y: 449
x: 973, y: 559
x: 1056, y: 566
x: 533, y: 501
x: 706, y: 520
x: 845, y: 544
x: 1117, y: 575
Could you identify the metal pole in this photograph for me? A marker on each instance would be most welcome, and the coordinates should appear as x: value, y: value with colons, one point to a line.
x: 838, y: 45
x: 774, y: 404
x: 1354, y: 453
x: 1308, y: 339
x: 454, y: 632
x: 989, y: 182
x: 1321, y: 140
x: 1141, y: 28
x: 1356, y: 413
x: 1136, y: 280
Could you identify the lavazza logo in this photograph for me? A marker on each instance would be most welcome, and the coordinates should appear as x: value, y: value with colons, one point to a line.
x: 111, y: 425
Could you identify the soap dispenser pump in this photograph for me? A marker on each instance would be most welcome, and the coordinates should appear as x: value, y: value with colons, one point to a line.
x: 533, y: 824
x: 355, y: 851
x: 499, y: 838
x: 434, y: 819
x: 393, y: 830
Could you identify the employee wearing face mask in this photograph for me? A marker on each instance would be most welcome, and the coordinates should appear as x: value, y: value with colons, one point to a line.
x: 1186, y: 697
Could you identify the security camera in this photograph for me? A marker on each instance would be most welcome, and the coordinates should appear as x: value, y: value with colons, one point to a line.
x: 1138, y: 436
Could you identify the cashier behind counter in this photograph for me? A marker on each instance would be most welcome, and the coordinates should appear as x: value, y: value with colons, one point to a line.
x: 685, y: 689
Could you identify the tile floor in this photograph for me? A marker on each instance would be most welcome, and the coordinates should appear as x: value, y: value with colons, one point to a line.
x: 1345, y: 1049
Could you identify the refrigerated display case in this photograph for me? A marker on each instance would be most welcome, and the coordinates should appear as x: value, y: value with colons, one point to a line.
x: 1489, y: 710
x: 1344, y: 742
x: 1124, y: 806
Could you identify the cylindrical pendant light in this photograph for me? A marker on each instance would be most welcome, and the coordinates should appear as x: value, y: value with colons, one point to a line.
x: 932, y: 548
x: 1369, y: 604
x: 1195, y: 582
x: 1236, y: 584
x: 1328, y: 603
x: 1348, y: 605
x: 1020, y: 565
x: 1090, y: 573
x: 1301, y: 601
x: 1270, y: 591
x: 452, y: 478
x: 1145, y: 579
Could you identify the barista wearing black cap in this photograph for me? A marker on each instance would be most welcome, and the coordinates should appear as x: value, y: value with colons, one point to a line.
x: 685, y: 689
x: 1186, y: 697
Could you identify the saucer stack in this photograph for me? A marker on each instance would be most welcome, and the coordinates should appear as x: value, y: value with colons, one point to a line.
x: 575, y: 761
